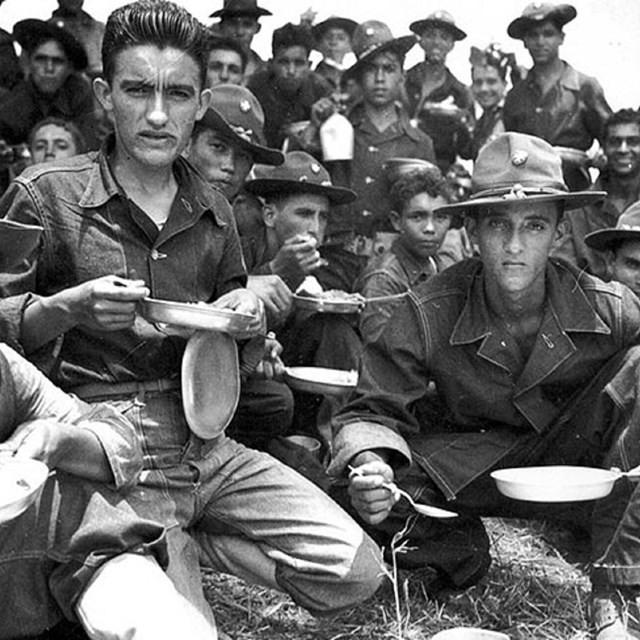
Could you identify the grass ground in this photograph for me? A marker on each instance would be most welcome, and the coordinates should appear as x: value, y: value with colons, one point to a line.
x: 536, y: 588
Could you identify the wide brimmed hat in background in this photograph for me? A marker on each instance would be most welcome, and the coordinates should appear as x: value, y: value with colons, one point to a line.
x: 627, y: 228
x: 373, y: 37
x: 31, y: 33
x: 443, y: 20
x: 516, y: 170
x: 300, y: 173
x: 17, y: 241
x: 236, y: 113
x: 537, y: 12
x: 240, y: 8
x: 334, y: 22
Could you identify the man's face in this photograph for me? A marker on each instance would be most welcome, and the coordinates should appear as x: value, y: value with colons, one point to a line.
x: 290, y: 66
x: 241, y: 28
x: 422, y: 230
x: 298, y: 214
x: 49, y: 67
x: 335, y: 43
x: 514, y: 244
x: 624, y: 264
x: 488, y: 87
x: 437, y: 44
x: 381, y: 79
x: 543, y: 42
x: 52, y: 142
x: 224, y: 67
x: 223, y: 163
x: 622, y: 148
x: 155, y: 98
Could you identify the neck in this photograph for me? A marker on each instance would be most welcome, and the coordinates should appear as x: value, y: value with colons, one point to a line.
x: 136, y: 178
x: 516, y: 306
x: 627, y: 186
x: 434, y: 67
x: 381, y: 116
x: 550, y: 68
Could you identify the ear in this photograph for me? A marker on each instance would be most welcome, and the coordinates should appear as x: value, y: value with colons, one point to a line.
x: 102, y: 91
x: 609, y: 258
x: 269, y: 213
x: 563, y: 229
x: 395, y: 218
x: 205, y: 101
x: 471, y: 225
x: 258, y: 29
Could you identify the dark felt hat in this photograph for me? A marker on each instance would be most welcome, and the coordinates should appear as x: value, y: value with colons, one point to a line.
x: 300, y: 173
x: 334, y: 22
x: 236, y: 113
x: 537, y: 12
x: 30, y: 33
x: 17, y: 241
x: 442, y: 19
x: 516, y: 170
x: 373, y: 37
x: 627, y: 228
x: 240, y: 8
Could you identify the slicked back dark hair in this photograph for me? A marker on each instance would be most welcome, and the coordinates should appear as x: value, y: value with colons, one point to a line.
x: 623, y: 116
x: 153, y: 22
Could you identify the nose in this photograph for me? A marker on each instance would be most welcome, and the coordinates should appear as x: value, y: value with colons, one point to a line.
x: 513, y: 242
x: 224, y: 74
x: 427, y: 226
x: 227, y: 162
x: 50, y: 151
x: 48, y: 65
x: 158, y: 115
x: 623, y: 147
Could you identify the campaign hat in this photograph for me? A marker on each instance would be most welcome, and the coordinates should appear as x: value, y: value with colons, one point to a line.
x: 515, y: 170
x: 237, y: 114
x: 538, y: 12
x: 240, y: 8
x: 300, y: 173
x: 627, y: 228
x: 30, y: 33
x: 442, y: 19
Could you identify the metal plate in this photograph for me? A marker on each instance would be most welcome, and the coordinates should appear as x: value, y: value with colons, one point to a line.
x: 195, y: 316
x: 327, y: 305
x: 560, y: 483
x: 321, y: 380
x: 20, y: 484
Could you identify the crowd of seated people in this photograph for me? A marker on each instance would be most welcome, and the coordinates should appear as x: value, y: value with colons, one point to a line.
x: 231, y: 193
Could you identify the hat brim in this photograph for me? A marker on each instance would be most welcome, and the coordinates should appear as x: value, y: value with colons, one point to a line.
x: 560, y: 16
x: 334, y: 23
x: 401, y: 46
x: 279, y: 187
x: 605, y: 238
x: 31, y: 32
x: 420, y: 25
x: 258, y: 12
x: 569, y: 199
x: 260, y: 153
x: 17, y: 241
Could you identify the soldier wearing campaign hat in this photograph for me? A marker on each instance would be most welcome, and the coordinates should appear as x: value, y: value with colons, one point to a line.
x: 555, y: 101
x: 440, y: 104
x: 533, y: 361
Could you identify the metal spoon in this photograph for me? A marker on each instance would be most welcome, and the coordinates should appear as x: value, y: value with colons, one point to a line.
x: 423, y: 509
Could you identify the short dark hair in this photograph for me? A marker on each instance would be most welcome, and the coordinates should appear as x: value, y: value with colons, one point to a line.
x: 292, y: 35
x: 67, y: 125
x: 623, y: 116
x: 153, y: 22
x: 408, y: 186
x: 221, y: 43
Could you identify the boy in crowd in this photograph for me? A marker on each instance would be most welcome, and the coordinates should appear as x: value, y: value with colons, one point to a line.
x: 555, y: 102
x: 227, y: 61
x: 620, y: 178
x: 415, y: 254
x: 140, y: 222
x: 620, y: 246
x: 534, y: 363
x: 240, y: 21
x: 288, y: 88
x: 333, y: 40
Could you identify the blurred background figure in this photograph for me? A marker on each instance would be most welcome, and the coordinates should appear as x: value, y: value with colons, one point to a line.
x: 70, y: 16
x: 55, y: 139
x: 240, y: 20
x: 226, y: 61
x: 10, y: 70
x: 490, y: 69
x: 333, y: 40
x: 439, y: 103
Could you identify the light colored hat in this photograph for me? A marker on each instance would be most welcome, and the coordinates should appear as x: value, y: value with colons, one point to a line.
x: 442, y: 19
x: 627, y: 228
x: 515, y: 170
x: 537, y: 12
x: 17, y: 241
